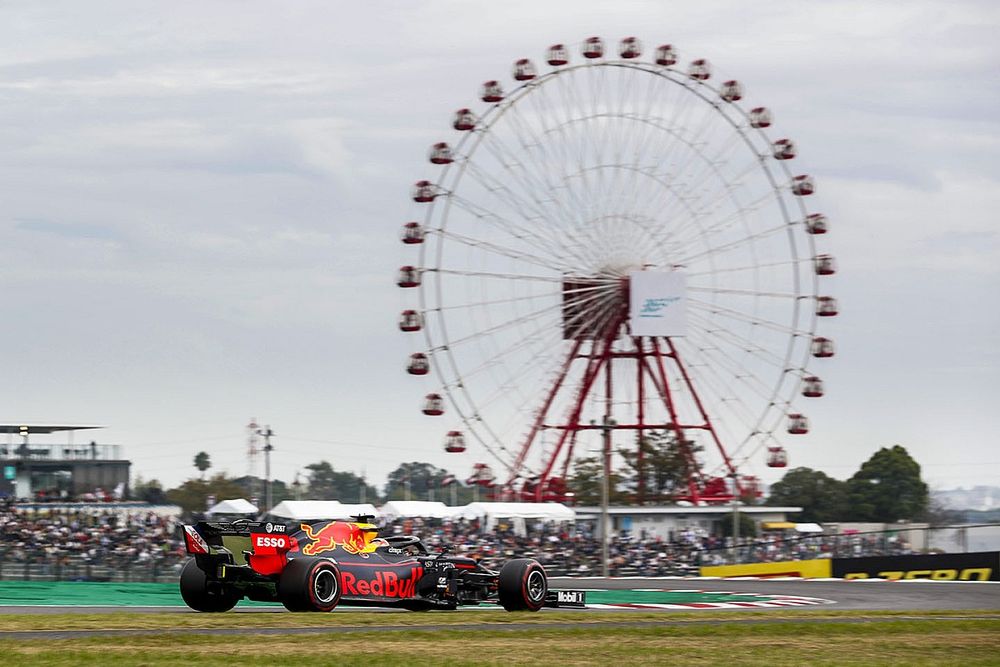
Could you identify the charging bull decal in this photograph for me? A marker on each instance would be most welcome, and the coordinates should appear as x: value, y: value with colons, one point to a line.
x: 349, y: 536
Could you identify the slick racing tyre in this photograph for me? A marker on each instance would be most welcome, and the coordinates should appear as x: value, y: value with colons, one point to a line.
x: 309, y: 584
x: 199, y: 596
x: 522, y: 585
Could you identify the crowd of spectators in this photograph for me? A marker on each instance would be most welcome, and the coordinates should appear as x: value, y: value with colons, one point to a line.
x: 576, y: 551
x: 92, y: 543
x: 99, y: 543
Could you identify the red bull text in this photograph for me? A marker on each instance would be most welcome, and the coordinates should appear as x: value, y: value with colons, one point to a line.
x: 382, y: 584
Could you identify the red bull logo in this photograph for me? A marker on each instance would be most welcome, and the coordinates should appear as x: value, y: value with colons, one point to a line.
x: 386, y: 584
x: 348, y: 536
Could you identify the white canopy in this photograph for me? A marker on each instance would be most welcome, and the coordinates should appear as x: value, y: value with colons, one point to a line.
x: 396, y: 509
x: 808, y: 528
x: 234, y: 506
x: 493, y: 511
x: 310, y: 510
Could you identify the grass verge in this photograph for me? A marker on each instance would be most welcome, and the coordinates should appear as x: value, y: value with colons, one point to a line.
x: 131, y: 620
x: 879, y: 640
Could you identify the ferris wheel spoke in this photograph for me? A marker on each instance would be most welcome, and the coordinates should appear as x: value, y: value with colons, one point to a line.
x: 733, y: 245
x: 711, y: 328
x: 512, y: 229
x: 517, y: 173
x: 452, y: 343
x: 532, y: 212
x: 743, y: 269
x: 731, y: 313
x: 741, y: 208
x: 532, y: 363
x: 716, y: 360
x: 539, y: 174
x: 710, y: 348
x: 585, y: 142
x: 504, y: 251
x: 557, y: 157
x: 559, y: 209
x: 744, y: 292
x: 491, y: 302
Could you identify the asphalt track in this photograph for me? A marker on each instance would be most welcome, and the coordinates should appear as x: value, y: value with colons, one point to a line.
x: 875, y: 595
x: 865, y: 595
x: 869, y: 595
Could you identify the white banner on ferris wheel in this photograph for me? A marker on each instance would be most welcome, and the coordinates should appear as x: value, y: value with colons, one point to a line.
x: 657, y: 303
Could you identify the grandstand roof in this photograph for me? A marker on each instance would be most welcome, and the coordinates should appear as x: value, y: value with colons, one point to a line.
x: 42, y: 428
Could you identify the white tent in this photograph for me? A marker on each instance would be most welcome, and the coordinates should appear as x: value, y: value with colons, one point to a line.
x: 234, y: 506
x: 311, y: 510
x: 808, y: 528
x: 493, y: 511
x: 397, y: 509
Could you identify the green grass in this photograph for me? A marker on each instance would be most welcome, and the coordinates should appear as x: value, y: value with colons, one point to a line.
x: 846, y: 638
x: 129, y: 620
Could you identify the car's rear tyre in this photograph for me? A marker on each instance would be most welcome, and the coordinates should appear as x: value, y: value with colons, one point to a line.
x: 522, y: 585
x: 198, y: 595
x: 309, y: 584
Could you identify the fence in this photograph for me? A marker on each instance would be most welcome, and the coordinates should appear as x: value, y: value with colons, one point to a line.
x: 75, y: 568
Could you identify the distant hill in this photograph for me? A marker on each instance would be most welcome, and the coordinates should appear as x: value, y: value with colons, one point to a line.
x: 978, y: 498
x: 981, y: 516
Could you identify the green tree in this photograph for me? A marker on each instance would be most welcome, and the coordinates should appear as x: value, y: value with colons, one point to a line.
x: 888, y: 488
x: 253, y: 487
x: 150, y: 492
x: 664, y: 468
x: 193, y: 494
x: 822, y: 498
x: 325, y: 483
x: 421, y: 479
x: 748, y: 527
x: 586, y: 479
x: 202, y: 463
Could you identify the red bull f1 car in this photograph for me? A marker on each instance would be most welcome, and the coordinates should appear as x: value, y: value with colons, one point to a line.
x: 318, y: 565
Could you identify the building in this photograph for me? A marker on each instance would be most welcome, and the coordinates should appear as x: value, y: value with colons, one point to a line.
x: 664, y: 521
x: 63, y: 470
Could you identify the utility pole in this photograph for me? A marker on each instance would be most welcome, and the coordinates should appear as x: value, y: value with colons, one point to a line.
x: 267, y: 433
x: 736, y: 521
x: 607, y: 425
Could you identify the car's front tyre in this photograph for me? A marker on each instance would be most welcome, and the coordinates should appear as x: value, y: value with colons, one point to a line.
x: 309, y: 584
x: 198, y: 595
x: 522, y: 585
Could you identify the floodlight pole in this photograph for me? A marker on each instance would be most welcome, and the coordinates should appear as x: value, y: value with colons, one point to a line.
x: 267, y: 433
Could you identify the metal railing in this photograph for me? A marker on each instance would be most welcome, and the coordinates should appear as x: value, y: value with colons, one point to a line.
x: 65, y: 452
x: 79, y: 569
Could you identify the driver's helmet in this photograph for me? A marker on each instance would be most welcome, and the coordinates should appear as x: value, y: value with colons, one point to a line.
x: 369, y: 535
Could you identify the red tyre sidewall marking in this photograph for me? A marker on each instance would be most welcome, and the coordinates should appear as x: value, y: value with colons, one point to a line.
x: 524, y: 589
x: 312, y: 586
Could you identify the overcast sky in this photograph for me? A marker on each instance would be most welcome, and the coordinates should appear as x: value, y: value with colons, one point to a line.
x: 200, y: 202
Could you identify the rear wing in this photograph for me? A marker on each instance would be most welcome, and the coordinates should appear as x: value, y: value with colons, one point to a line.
x: 208, y: 537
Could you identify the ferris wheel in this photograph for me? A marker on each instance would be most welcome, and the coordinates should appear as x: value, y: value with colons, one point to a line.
x: 613, y: 247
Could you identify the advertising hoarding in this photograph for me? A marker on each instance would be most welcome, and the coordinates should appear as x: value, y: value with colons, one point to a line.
x: 657, y: 303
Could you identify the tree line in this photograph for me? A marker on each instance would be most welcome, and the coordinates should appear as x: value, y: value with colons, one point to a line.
x: 887, y: 487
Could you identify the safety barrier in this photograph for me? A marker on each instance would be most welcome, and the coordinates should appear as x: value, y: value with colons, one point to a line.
x: 979, y: 566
